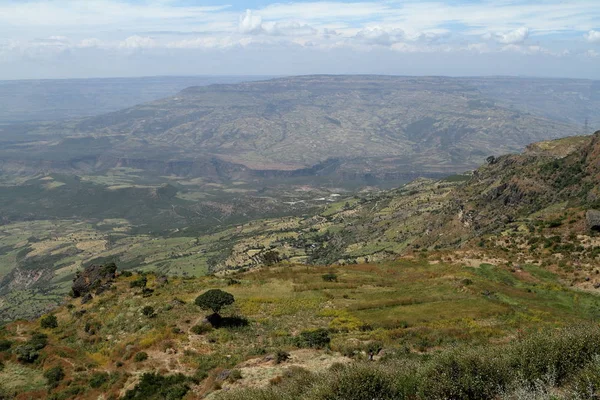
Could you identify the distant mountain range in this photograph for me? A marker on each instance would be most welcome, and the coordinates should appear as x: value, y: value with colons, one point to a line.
x: 377, y: 126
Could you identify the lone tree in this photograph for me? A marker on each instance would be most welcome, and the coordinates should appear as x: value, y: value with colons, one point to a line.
x: 215, y: 300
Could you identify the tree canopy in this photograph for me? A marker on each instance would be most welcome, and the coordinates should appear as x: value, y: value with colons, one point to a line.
x: 214, y: 299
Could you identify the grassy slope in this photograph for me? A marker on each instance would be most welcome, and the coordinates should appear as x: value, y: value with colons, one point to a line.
x: 417, y: 306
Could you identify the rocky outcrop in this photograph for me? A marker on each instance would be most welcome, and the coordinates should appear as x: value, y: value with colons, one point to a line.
x: 93, y: 278
x: 592, y: 218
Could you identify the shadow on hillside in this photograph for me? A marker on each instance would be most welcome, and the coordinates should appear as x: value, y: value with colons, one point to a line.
x: 227, y: 322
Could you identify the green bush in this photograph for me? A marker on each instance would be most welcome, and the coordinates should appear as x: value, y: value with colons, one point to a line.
x: 329, y: 277
x: 5, y: 344
x: 29, y: 352
x: 139, y: 282
x: 214, y: 299
x: 156, y: 387
x: 141, y: 356
x: 92, y: 327
x: 316, y: 338
x: 54, y: 375
x: 201, y: 329
x: 148, y: 311
x: 98, y: 379
x: 49, y: 322
x: 359, y: 382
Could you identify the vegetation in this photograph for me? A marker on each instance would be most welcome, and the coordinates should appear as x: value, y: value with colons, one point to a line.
x: 214, y: 299
x: 49, y: 322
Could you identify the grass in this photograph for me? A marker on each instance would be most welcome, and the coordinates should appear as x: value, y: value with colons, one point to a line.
x: 411, y: 307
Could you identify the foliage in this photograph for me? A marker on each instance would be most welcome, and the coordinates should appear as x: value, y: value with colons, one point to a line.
x: 141, y: 356
x: 281, y: 356
x: 29, y: 352
x: 5, y: 344
x: 148, y: 311
x: 315, y: 338
x: 49, y: 322
x: 98, y: 379
x: 214, y: 299
x: 139, y: 282
x: 54, y: 375
x: 201, y: 329
x: 156, y: 387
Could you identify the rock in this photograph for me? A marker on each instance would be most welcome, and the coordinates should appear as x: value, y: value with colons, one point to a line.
x: 86, y: 298
x: 593, y: 220
x: 162, y: 280
x: 92, y: 278
x: 223, y: 375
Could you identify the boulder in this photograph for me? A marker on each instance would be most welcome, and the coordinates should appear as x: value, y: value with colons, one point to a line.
x: 593, y: 220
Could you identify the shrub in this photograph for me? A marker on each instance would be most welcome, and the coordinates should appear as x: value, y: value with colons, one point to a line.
x: 29, y: 352
x: 316, y: 338
x: 214, y: 299
x: 49, y: 322
x: 5, y: 344
x: 201, y: 329
x: 329, y: 277
x: 98, y: 379
x: 281, y: 356
x: 92, y: 327
x: 141, y: 356
x: 156, y: 387
x: 139, y: 282
x: 359, y: 383
x: 235, y: 375
x: 54, y: 375
x: 148, y: 311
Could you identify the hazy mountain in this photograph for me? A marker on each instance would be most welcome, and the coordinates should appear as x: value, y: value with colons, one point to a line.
x: 376, y: 125
x: 54, y: 99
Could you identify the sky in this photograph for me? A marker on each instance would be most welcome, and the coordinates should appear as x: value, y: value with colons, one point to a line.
x: 99, y: 38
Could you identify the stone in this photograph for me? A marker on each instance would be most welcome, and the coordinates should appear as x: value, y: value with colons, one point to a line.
x: 592, y: 218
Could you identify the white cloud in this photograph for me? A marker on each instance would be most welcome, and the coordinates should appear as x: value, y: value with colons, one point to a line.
x: 250, y: 23
x: 138, y: 42
x: 292, y: 28
x: 516, y: 36
x: 593, y: 36
x: 592, y: 53
x: 380, y: 36
x: 90, y: 43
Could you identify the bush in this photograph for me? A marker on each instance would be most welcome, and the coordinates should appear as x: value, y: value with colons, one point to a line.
x: 148, y: 311
x: 139, y: 282
x: 281, y: 356
x: 201, y: 329
x: 359, y: 383
x: 214, y: 299
x: 141, y: 356
x: 5, y: 344
x: 92, y: 327
x: 329, y: 277
x: 317, y: 338
x: 49, y: 322
x: 98, y: 379
x: 156, y: 387
x: 54, y: 375
x: 29, y: 352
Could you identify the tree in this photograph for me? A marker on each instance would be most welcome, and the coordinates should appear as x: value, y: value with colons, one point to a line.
x: 214, y: 299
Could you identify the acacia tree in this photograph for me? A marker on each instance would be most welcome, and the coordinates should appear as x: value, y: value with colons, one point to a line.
x: 215, y: 300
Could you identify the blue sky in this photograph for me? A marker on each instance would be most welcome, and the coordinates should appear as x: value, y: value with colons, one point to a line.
x: 84, y: 38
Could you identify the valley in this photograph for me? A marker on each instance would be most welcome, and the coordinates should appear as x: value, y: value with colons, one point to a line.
x: 388, y: 230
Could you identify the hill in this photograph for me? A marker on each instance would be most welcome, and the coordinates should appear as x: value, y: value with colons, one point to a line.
x: 369, y: 126
x: 484, y: 287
